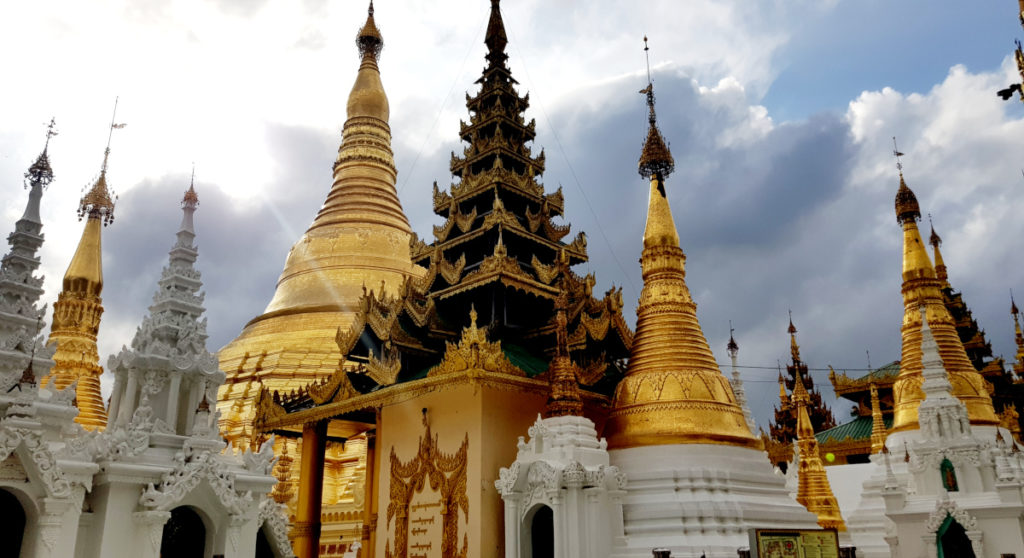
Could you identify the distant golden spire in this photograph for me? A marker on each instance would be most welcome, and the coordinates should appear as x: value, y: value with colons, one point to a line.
x: 921, y: 286
x: 673, y: 392
x: 783, y: 396
x: 877, y: 424
x: 813, y: 489
x: 1018, y: 364
x: 940, y: 264
x: 794, y: 349
x: 564, y: 398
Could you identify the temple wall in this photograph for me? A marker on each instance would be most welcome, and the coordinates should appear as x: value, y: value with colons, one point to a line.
x: 490, y: 419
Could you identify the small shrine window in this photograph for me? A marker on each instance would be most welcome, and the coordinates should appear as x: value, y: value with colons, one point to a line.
x: 948, y: 473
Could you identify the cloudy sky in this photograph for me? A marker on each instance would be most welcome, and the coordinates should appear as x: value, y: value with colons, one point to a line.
x: 780, y: 115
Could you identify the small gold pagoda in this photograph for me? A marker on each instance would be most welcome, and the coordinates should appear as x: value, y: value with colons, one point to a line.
x: 76, y: 314
x: 673, y: 391
x: 922, y: 287
x: 813, y: 490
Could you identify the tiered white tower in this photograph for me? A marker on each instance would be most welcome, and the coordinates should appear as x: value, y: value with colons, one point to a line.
x: 21, y: 319
x: 161, y: 455
x: 955, y: 480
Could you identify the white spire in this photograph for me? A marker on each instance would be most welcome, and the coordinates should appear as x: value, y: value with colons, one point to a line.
x: 941, y: 415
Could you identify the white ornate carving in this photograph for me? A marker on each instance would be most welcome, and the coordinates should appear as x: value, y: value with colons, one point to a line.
x: 192, y: 466
x: 274, y: 517
x: 51, y: 475
x: 946, y: 507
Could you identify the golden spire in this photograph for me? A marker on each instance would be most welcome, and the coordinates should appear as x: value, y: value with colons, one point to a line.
x: 673, y: 391
x: 940, y: 264
x: 77, y: 312
x: 877, y: 424
x: 1018, y: 365
x: 813, y: 490
x: 359, y: 237
x: 564, y: 398
x: 921, y: 286
x: 783, y: 396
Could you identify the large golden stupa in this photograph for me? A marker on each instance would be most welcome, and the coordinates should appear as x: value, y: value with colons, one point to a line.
x: 358, y: 241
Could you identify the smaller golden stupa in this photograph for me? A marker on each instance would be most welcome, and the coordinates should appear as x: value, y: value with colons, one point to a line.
x: 673, y: 391
x: 922, y: 287
x: 813, y: 490
x: 77, y: 312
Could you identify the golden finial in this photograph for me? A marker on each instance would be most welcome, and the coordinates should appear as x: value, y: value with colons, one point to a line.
x: 935, y: 240
x: 794, y: 349
x: 732, y: 348
x: 191, y: 199
x: 655, y: 158
x: 472, y: 316
x: 906, y: 202
x: 495, y: 38
x: 98, y: 202
x: 1013, y: 305
x: 369, y: 39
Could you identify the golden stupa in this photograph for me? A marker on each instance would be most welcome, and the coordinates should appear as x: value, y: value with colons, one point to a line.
x: 922, y: 286
x: 77, y: 312
x: 673, y: 391
x: 358, y: 241
x: 813, y: 489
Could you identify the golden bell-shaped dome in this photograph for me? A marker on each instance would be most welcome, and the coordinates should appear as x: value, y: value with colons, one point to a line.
x: 921, y: 286
x: 359, y: 240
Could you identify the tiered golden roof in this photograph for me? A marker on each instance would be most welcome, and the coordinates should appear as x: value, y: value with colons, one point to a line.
x: 813, y: 491
x: 76, y: 314
x: 921, y: 286
x: 673, y: 391
x: 359, y: 239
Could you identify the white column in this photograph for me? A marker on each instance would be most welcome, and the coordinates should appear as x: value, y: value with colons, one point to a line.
x: 56, y: 539
x: 172, y: 402
x: 127, y: 404
x: 150, y: 529
x: 511, y: 525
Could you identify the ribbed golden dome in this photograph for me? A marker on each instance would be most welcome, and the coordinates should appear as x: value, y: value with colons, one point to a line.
x: 921, y: 286
x: 360, y: 238
x: 673, y: 392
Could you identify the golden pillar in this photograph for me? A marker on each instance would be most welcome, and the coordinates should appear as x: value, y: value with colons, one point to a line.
x: 370, y: 490
x: 311, y: 484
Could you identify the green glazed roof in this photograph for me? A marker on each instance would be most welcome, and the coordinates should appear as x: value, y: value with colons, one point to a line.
x: 857, y: 429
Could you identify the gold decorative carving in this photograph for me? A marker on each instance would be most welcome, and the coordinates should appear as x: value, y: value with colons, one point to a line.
x: 465, y: 221
x: 546, y: 273
x: 452, y: 272
x: 474, y: 352
x: 385, y: 370
x: 336, y: 387
x: 441, y: 198
x: 446, y: 475
x: 534, y: 219
x: 441, y: 232
x: 555, y: 232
